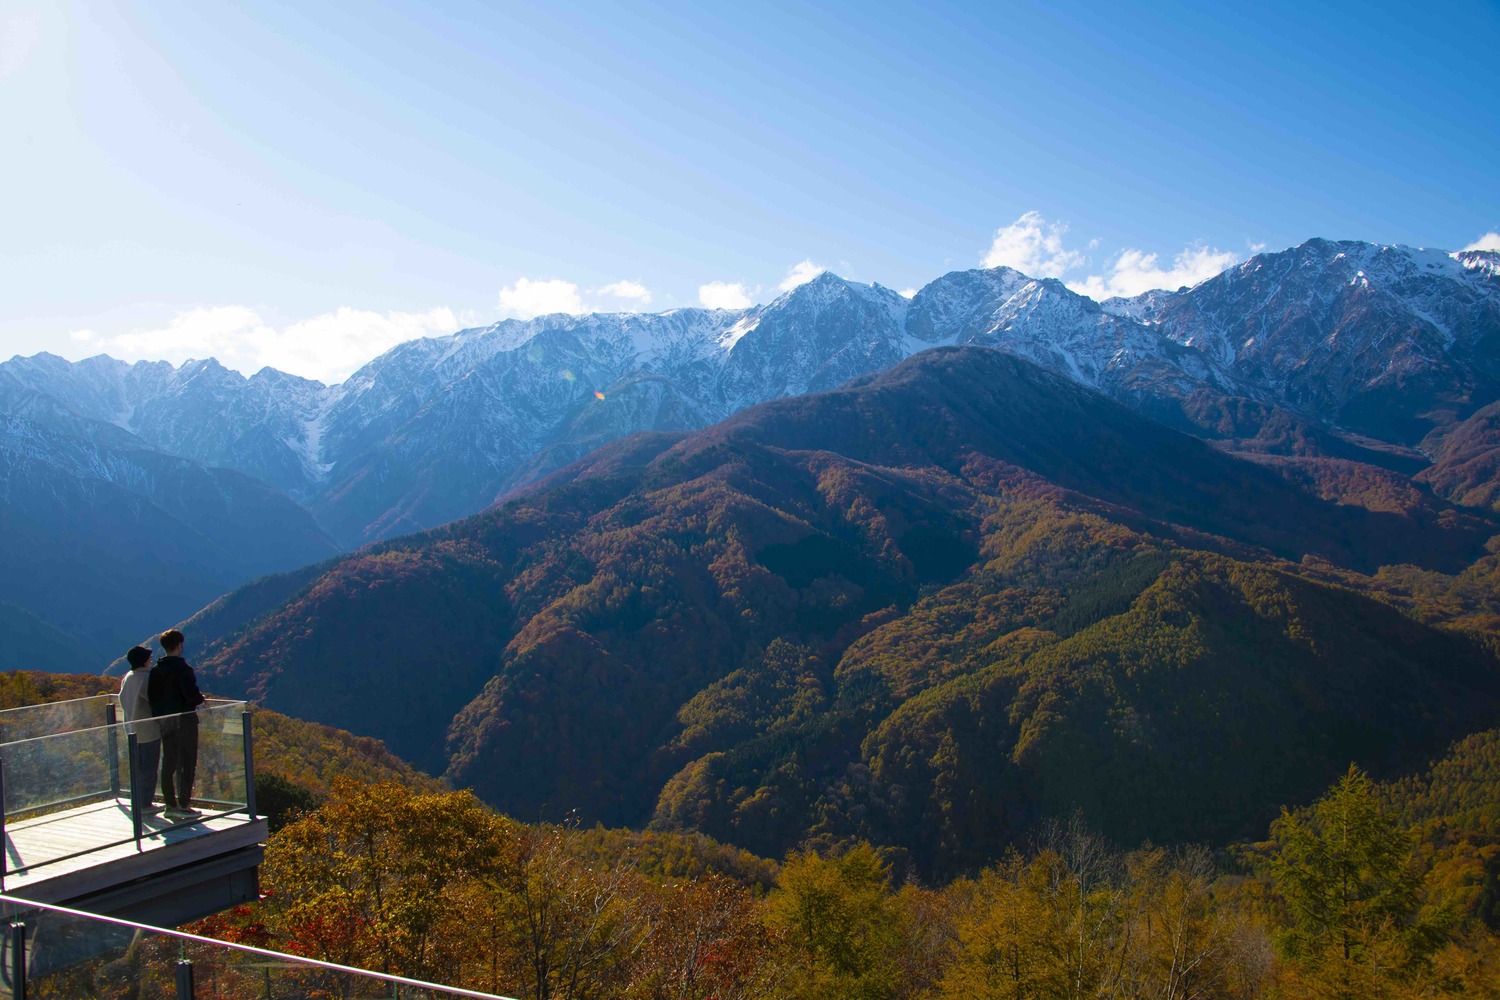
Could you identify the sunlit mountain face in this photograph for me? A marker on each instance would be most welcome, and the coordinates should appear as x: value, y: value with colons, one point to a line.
x: 1384, y: 342
x: 831, y: 610
x: 1379, y: 356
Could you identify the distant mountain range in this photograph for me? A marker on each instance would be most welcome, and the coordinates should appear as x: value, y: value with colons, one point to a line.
x: 931, y: 607
x: 1385, y: 356
x: 106, y: 539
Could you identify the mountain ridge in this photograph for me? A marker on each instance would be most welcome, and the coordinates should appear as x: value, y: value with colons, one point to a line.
x: 1326, y: 352
x: 433, y: 429
x: 571, y: 639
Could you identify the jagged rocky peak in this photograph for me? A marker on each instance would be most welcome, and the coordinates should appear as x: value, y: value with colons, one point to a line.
x: 1484, y: 261
x: 961, y: 301
x: 1143, y: 308
x: 828, y: 313
x: 815, y: 336
x: 1387, y: 341
x: 1308, y: 329
x: 830, y: 299
x: 828, y: 291
x: 205, y: 367
x: 1317, y: 272
x: 48, y: 363
x: 98, y: 388
x: 275, y: 378
x: 1309, y: 294
x: 1045, y: 321
x: 1349, y: 263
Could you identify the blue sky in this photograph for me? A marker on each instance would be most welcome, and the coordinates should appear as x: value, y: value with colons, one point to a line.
x: 305, y: 185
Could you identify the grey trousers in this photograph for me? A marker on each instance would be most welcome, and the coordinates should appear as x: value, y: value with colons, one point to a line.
x: 143, y: 784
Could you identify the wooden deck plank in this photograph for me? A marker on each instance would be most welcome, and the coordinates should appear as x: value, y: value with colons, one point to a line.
x: 40, y: 847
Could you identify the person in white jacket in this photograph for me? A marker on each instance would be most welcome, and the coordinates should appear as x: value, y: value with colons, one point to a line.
x: 139, y: 720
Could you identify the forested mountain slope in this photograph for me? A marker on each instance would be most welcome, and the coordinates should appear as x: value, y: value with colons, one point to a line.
x: 1345, y: 366
x: 931, y: 608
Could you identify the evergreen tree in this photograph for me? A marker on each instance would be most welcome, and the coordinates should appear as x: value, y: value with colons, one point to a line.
x: 1345, y: 870
x: 846, y: 918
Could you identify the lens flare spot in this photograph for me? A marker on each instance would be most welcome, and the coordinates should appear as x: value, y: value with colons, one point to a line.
x: 598, y: 394
x: 568, y: 375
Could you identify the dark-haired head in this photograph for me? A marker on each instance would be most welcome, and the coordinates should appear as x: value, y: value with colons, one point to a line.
x: 171, y: 641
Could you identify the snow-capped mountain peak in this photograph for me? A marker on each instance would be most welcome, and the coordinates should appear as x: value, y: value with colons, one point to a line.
x: 435, y: 428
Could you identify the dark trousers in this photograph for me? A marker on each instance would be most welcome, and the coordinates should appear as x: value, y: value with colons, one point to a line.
x: 143, y: 783
x: 179, y: 759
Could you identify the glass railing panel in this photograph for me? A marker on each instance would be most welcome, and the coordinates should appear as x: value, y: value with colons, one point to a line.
x: 31, y: 721
x: 219, y: 972
x: 69, y: 954
x: 52, y: 772
x: 66, y: 794
x: 220, y: 783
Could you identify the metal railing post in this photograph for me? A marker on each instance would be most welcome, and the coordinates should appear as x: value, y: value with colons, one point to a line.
x: 249, y: 763
x: 5, y: 860
x: 132, y: 742
x: 114, y: 750
x: 184, y: 979
x: 18, y: 961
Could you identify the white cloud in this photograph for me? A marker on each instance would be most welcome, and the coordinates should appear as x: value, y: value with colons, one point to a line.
x: 1033, y: 246
x: 532, y: 297
x: 20, y: 34
x: 724, y: 295
x: 908, y: 293
x: 800, y: 274
x: 341, y: 341
x: 1489, y: 241
x: 542, y: 297
x: 1135, y: 271
x: 327, y: 347
x: 632, y: 290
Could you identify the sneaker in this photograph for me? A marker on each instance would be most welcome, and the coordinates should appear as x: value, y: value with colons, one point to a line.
x: 172, y: 813
x: 151, y: 810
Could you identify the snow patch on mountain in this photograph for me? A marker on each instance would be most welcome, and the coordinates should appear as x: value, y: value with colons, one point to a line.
x: 1483, y: 261
x: 434, y: 427
x: 742, y: 326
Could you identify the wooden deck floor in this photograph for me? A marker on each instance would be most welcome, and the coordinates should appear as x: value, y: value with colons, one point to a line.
x: 40, y: 847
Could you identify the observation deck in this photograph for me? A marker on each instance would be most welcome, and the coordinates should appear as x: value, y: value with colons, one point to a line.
x: 73, y: 837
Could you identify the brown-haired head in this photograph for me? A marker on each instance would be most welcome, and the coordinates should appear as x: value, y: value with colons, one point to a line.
x: 171, y: 641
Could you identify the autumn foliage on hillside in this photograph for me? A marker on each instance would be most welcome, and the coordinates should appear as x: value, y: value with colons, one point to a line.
x: 932, y: 610
x: 1374, y: 890
x: 1341, y: 900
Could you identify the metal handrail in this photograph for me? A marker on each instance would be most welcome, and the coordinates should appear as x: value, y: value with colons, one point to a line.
x: 65, y: 701
x: 221, y: 703
x: 293, y: 960
x: 111, y: 695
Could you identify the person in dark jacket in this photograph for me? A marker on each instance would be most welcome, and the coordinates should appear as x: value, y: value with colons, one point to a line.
x: 174, y: 695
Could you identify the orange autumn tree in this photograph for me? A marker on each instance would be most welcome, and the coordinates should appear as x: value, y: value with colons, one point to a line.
x: 372, y: 878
